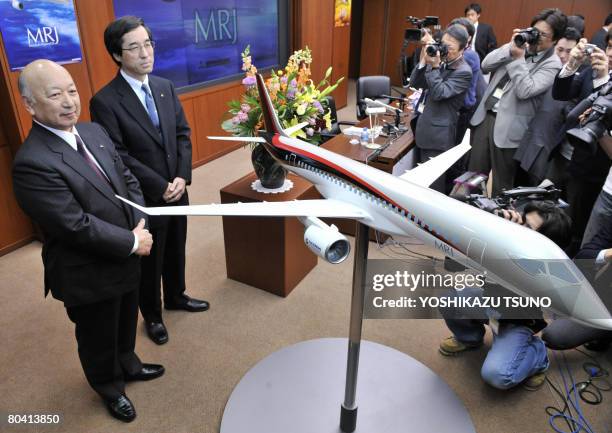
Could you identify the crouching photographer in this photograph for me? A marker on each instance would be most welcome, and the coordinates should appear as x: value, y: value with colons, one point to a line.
x: 516, y: 355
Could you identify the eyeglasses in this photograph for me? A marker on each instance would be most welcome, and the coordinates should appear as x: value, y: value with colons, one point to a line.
x: 545, y: 35
x: 135, y: 48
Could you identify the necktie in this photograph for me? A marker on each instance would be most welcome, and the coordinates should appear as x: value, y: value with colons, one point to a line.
x: 88, y: 159
x: 150, y: 103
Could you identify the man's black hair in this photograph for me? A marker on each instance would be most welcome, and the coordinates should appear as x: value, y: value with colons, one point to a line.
x: 556, y: 224
x: 555, y: 19
x: 571, y: 34
x: 113, y: 35
x: 577, y: 22
x: 608, y: 20
x: 473, y: 7
x: 608, y: 37
x: 462, y: 21
x: 459, y: 33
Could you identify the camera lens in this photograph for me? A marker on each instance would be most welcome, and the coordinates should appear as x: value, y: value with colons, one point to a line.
x: 520, y: 39
x: 431, y: 50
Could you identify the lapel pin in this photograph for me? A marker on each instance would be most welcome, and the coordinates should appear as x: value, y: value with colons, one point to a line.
x: 102, y: 146
x: 162, y: 95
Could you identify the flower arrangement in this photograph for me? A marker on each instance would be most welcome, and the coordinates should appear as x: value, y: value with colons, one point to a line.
x: 295, y: 97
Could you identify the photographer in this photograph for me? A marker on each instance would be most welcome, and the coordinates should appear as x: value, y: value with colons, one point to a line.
x: 523, y: 70
x: 546, y: 134
x: 586, y: 171
x: 517, y: 355
x: 445, y: 77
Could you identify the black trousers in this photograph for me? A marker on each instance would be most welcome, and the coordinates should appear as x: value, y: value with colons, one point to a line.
x: 581, y: 196
x: 166, y: 264
x: 106, y: 336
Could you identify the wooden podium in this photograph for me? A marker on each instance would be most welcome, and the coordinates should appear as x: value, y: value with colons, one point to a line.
x: 263, y: 252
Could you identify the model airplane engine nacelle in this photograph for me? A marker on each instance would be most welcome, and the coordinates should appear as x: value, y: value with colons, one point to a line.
x: 325, y: 241
x: 17, y: 4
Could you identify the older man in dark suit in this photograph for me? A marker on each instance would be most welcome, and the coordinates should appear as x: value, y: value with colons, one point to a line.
x: 65, y: 178
x: 444, y: 86
x: 145, y: 120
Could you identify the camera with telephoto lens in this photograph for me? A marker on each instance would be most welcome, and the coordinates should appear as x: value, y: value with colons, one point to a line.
x: 526, y: 36
x: 432, y: 49
x: 470, y: 188
x: 598, y: 121
x: 423, y: 22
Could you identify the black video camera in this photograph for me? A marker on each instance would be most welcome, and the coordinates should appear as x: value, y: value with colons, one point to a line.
x: 423, y: 22
x: 597, y: 122
x: 432, y: 49
x: 514, y: 199
x: 529, y: 36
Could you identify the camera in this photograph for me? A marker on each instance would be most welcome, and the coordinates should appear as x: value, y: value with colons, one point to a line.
x: 413, y: 35
x: 515, y: 199
x: 526, y: 36
x: 598, y: 121
x: 423, y: 22
x: 432, y: 49
x: 589, y: 49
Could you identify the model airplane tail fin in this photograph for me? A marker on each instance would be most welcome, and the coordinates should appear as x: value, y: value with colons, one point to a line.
x: 271, y: 121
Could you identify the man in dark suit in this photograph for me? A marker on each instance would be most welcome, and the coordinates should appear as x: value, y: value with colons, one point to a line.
x: 484, y: 40
x: 587, y: 169
x: 65, y: 178
x: 145, y: 120
x: 599, y: 38
x: 444, y: 87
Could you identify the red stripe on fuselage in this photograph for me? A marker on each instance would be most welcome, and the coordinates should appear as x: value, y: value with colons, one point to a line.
x: 278, y: 143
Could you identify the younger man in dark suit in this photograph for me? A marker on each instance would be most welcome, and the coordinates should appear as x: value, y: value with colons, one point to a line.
x: 145, y: 120
x: 484, y: 40
x: 65, y: 178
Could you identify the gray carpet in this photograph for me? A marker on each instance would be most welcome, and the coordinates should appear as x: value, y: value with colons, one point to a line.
x: 209, y: 352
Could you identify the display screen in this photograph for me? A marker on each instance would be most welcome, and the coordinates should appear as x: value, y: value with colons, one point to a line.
x: 198, y: 41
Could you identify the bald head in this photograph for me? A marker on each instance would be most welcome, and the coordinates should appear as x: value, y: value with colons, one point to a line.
x: 50, y: 95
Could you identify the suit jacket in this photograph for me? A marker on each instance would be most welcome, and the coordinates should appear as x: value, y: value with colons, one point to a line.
x: 524, y: 92
x: 446, y: 89
x: 154, y: 158
x: 87, y: 230
x: 485, y: 41
x: 599, y: 38
x: 584, y: 164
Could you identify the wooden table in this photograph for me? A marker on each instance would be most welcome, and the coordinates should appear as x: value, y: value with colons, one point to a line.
x: 267, y: 253
x: 385, y: 160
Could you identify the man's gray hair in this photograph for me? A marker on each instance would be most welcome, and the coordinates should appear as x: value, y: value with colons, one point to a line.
x: 24, y: 89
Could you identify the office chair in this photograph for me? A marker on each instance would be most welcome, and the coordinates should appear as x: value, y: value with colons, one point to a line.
x: 330, y: 103
x: 371, y: 87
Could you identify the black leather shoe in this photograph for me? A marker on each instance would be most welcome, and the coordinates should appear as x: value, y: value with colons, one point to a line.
x: 147, y: 372
x: 189, y: 304
x: 157, y: 332
x: 121, y: 408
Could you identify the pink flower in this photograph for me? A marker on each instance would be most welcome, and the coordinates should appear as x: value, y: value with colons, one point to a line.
x: 245, y: 107
x: 309, y: 132
x: 249, y: 81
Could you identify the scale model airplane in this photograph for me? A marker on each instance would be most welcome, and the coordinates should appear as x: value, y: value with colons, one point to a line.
x: 516, y: 257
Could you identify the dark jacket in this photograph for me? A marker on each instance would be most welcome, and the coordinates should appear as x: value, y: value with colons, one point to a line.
x: 444, y: 96
x: 87, y: 230
x: 485, y: 40
x: 154, y: 159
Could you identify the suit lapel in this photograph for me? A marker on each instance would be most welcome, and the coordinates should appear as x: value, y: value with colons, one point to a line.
x: 134, y: 107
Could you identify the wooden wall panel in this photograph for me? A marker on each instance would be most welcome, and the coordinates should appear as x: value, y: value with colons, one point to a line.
x: 16, y: 228
x: 316, y: 21
x: 340, y: 62
x: 373, y: 37
x: 596, y: 12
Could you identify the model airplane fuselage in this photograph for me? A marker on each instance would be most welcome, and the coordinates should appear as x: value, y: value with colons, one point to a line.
x: 514, y: 256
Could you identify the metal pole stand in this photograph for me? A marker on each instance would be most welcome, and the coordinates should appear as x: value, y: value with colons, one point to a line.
x: 348, y: 410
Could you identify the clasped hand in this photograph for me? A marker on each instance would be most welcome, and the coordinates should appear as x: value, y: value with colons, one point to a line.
x: 175, y: 190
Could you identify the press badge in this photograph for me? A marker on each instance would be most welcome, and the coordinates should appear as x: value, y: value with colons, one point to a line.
x: 499, y: 92
x: 421, y: 108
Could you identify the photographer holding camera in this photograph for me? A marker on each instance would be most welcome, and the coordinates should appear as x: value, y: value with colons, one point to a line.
x: 523, y: 70
x: 516, y: 355
x: 586, y: 72
x: 445, y: 77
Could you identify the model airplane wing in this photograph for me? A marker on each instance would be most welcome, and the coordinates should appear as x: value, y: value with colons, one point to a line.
x: 305, y: 208
x: 425, y: 174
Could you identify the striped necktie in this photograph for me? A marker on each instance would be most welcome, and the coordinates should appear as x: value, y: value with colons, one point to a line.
x: 88, y: 159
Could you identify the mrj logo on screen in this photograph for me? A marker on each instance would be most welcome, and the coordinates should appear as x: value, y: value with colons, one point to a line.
x: 221, y: 25
x: 43, y: 36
